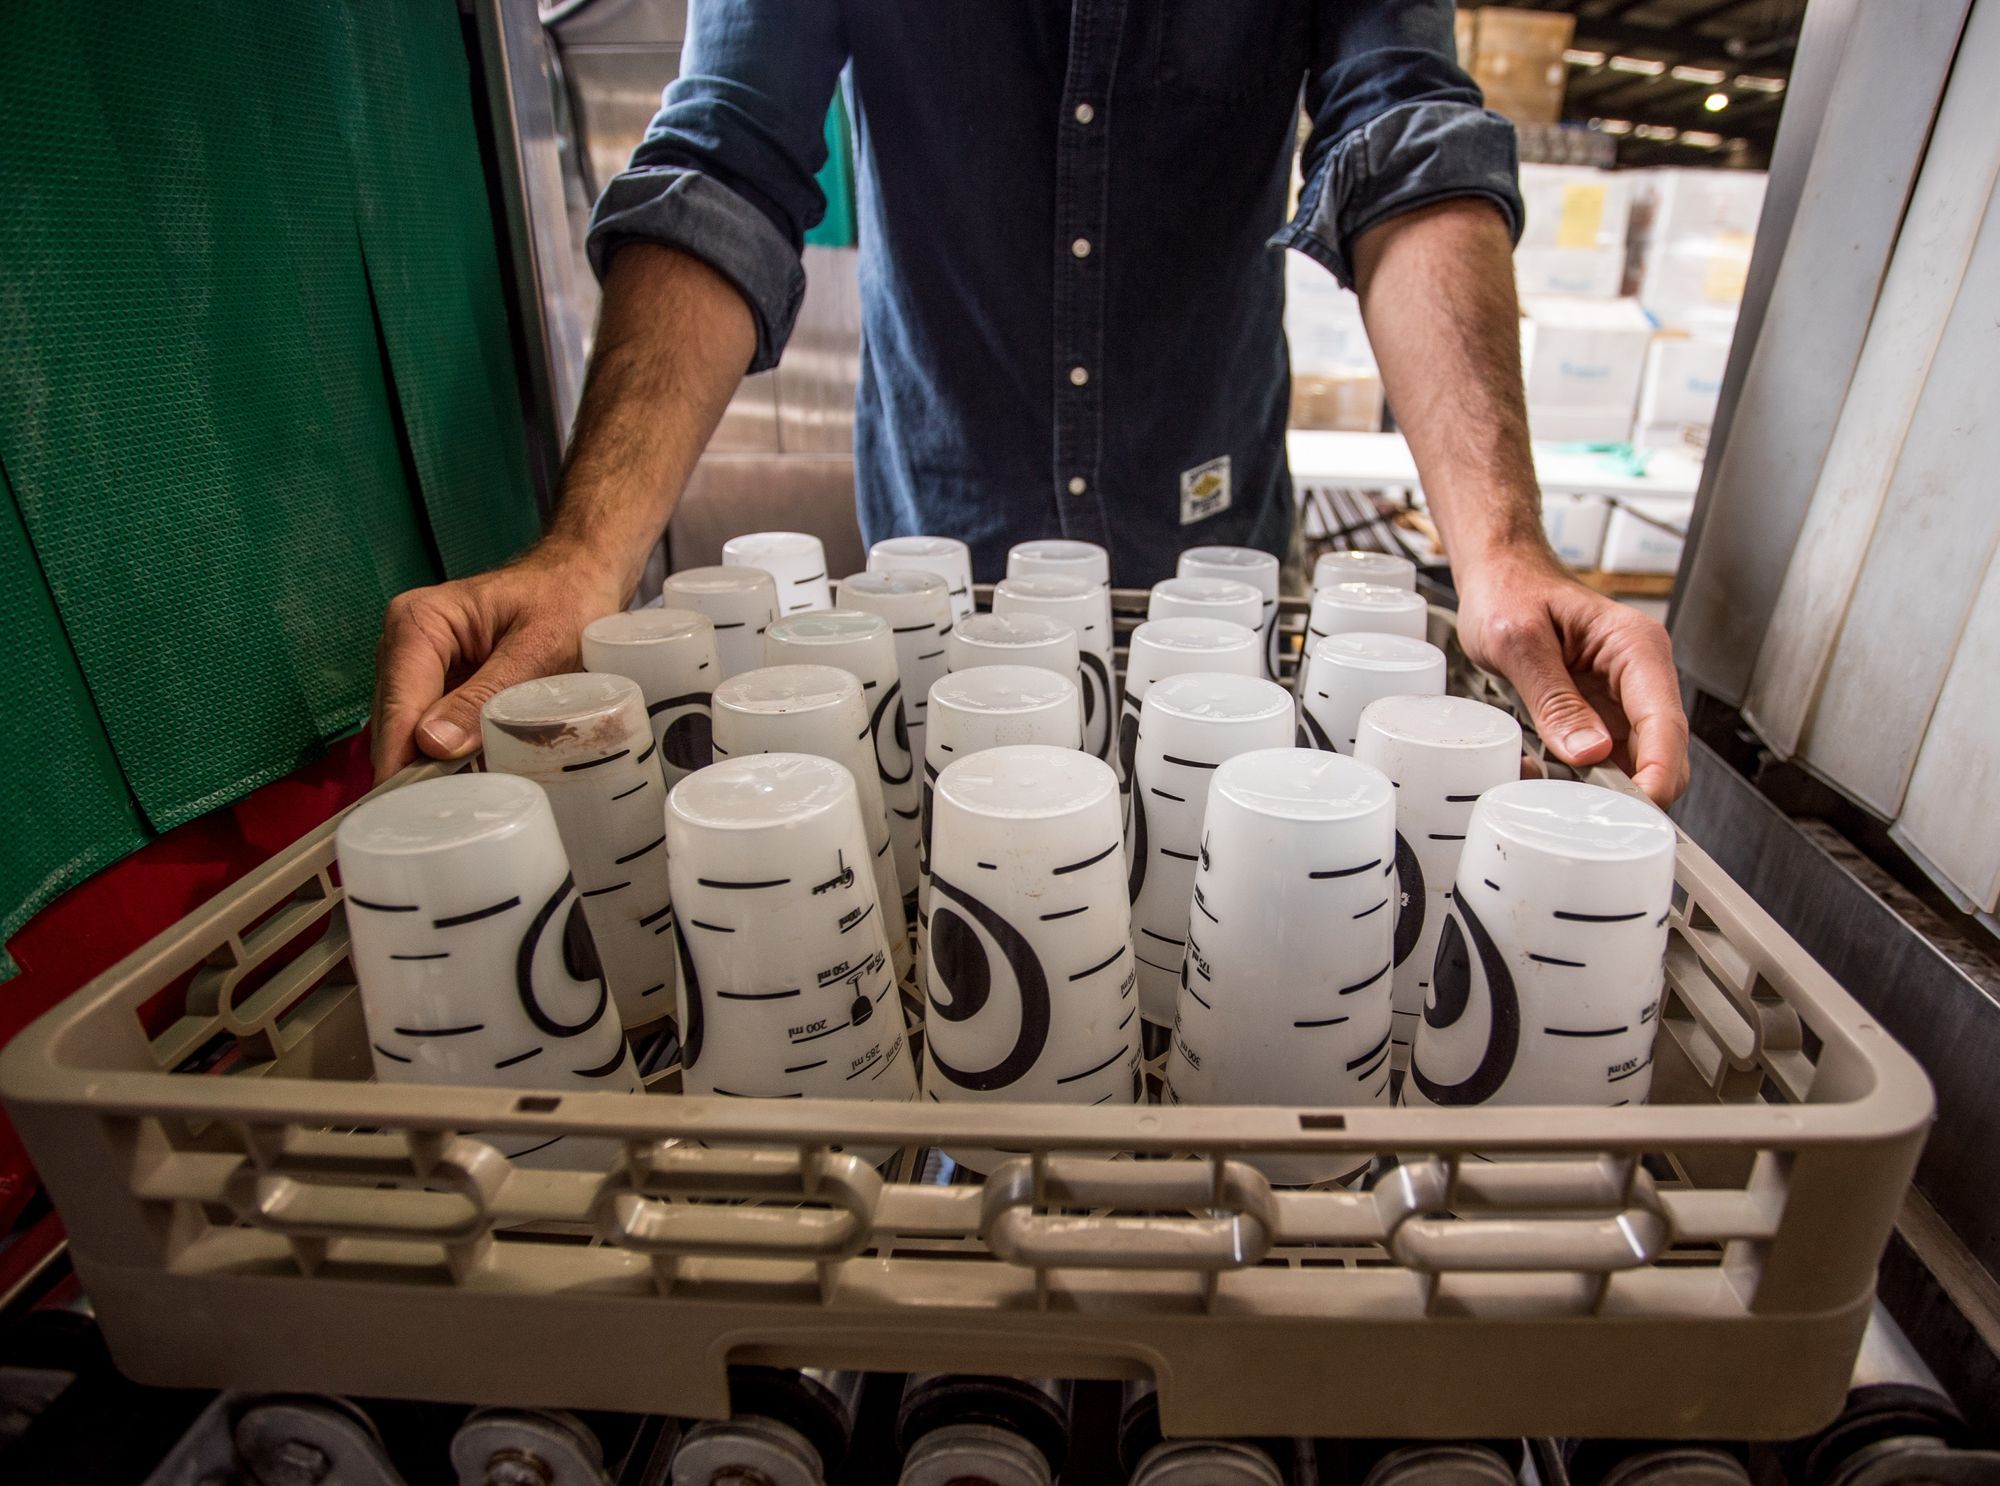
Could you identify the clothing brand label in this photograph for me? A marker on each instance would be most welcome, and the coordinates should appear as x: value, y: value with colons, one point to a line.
x: 1205, y: 491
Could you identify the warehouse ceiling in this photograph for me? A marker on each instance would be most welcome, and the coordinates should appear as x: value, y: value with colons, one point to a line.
x: 1679, y: 82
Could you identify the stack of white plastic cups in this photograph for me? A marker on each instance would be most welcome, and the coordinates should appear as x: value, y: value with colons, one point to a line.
x: 1285, y: 989
x: 474, y: 961
x: 1441, y: 753
x: 740, y: 604
x: 1547, y: 983
x: 1086, y: 608
x: 795, y: 561
x: 786, y: 985
x: 819, y: 710
x: 1031, y: 994
x: 947, y: 557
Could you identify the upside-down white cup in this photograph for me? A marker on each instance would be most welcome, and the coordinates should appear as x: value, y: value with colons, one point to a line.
x: 917, y: 605
x: 785, y: 982
x: 819, y: 710
x: 1018, y: 640
x: 1060, y: 555
x: 988, y: 707
x: 1031, y: 994
x: 794, y: 559
x: 1344, y: 673
x: 671, y: 654
x: 1207, y: 598
x: 1189, y: 726
x: 1173, y: 647
x: 1086, y: 608
x: 1441, y: 753
x: 860, y: 642
x: 1381, y: 568
x: 1285, y: 987
x: 1242, y: 565
x: 1547, y: 983
x: 474, y: 961
x: 948, y: 557
x: 739, y: 602
x: 1364, y: 608
x: 584, y: 739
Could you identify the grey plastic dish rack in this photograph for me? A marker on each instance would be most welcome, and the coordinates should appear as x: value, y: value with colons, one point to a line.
x: 1699, y: 1267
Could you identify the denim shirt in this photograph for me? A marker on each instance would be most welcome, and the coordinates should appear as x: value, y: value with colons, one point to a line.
x: 1068, y: 216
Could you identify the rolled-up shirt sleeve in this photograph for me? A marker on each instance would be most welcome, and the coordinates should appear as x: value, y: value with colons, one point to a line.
x: 726, y: 170
x: 1396, y: 125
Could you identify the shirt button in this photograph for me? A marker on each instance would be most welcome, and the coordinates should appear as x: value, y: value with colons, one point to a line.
x: 1076, y: 485
x: 1085, y: 113
x: 1078, y: 376
x: 1081, y: 247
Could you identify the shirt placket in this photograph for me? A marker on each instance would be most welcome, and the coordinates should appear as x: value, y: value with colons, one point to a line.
x: 1083, y: 145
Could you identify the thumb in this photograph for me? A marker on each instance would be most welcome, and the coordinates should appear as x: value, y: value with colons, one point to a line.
x: 450, y: 728
x: 1531, y: 658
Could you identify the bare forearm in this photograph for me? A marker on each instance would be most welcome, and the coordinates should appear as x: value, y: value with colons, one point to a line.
x: 1437, y: 295
x: 673, y: 339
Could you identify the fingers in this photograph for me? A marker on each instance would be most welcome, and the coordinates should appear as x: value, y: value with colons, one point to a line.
x: 411, y: 663
x: 1526, y: 650
x: 449, y: 729
x: 1649, y: 692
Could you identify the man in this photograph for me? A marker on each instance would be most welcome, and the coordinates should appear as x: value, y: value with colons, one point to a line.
x: 1070, y: 212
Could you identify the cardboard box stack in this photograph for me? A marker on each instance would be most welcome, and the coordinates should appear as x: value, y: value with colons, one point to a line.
x: 1335, y: 384
x: 1516, y: 57
x: 1690, y: 240
x: 1573, y: 237
x: 1581, y: 360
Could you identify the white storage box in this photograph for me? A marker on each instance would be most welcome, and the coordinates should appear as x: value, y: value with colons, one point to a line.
x: 1634, y: 545
x: 1682, y: 381
x: 1595, y: 273
x: 1323, y: 322
x: 1691, y: 236
x: 1574, y: 525
x: 1581, y: 360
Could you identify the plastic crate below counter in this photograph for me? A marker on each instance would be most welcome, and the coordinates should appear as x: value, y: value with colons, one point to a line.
x: 1701, y: 1267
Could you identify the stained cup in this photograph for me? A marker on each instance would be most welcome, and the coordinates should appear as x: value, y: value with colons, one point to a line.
x: 671, y: 654
x: 474, y: 959
x: 860, y: 642
x: 948, y: 557
x: 585, y: 740
x: 1284, y: 990
x: 1346, y: 672
x: 819, y: 710
x: 796, y: 562
x: 1190, y: 725
x: 1441, y: 753
x: 739, y: 602
x: 1031, y: 992
x: 1546, y: 988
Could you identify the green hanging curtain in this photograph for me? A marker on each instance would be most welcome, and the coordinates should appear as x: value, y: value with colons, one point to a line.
x: 255, y: 379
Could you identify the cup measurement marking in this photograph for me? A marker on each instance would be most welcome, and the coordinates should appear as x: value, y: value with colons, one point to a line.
x: 593, y: 763
x: 477, y: 914
x: 533, y: 1052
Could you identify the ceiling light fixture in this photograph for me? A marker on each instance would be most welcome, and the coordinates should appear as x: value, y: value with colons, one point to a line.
x: 1578, y: 58
x: 1715, y: 103
x: 1612, y: 126
x: 1708, y: 77
x: 1640, y: 66
x: 1700, y: 139
x: 1752, y: 83
x: 1665, y: 133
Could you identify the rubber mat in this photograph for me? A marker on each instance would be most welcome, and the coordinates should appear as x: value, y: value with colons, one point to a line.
x: 255, y: 379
